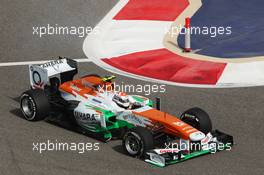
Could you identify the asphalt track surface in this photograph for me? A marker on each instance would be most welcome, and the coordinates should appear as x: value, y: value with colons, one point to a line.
x: 235, y: 111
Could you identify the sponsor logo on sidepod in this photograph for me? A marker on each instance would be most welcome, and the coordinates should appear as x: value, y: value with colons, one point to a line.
x: 85, y: 117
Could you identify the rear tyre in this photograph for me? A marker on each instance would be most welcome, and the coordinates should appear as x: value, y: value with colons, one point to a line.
x: 34, y: 105
x: 137, y: 141
x: 198, y: 119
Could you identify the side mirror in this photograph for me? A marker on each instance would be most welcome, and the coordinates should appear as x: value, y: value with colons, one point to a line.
x: 158, y: 103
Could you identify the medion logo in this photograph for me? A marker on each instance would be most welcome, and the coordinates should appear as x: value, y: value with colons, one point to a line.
x: 52, y: 63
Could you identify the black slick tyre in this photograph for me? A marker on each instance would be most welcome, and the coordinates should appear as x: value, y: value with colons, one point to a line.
x: 137, y: 141
x: 198, y: 119
x: 34, y: 105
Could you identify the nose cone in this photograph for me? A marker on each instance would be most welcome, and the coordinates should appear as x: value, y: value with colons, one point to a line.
x: 197, y: 136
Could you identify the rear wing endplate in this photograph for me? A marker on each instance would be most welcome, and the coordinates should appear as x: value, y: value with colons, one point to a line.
x: 40, y: 74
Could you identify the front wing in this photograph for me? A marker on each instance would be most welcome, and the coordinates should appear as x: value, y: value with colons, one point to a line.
x: 214, y: 142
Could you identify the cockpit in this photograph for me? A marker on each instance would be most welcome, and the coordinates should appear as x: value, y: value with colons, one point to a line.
x: 125, y: 101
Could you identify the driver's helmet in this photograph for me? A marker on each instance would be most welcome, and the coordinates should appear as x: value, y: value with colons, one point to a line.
x: 121, y: 99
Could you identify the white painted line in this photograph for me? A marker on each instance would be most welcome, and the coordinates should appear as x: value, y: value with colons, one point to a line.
x: 23, y: 63
x: 243, y: 74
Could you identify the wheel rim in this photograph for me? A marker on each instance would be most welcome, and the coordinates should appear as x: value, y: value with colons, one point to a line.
x: 132, y: 145
x: 27, y: 107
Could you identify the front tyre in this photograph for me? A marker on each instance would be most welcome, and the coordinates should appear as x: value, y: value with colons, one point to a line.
x: 34, y: 105
x: 198, y: 119
x: 137, y: 141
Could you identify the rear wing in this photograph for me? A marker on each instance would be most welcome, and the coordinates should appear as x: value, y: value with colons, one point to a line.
x: 40, y: 74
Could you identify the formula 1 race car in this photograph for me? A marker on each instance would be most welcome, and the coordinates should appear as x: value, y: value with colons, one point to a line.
x: 93, y: 104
